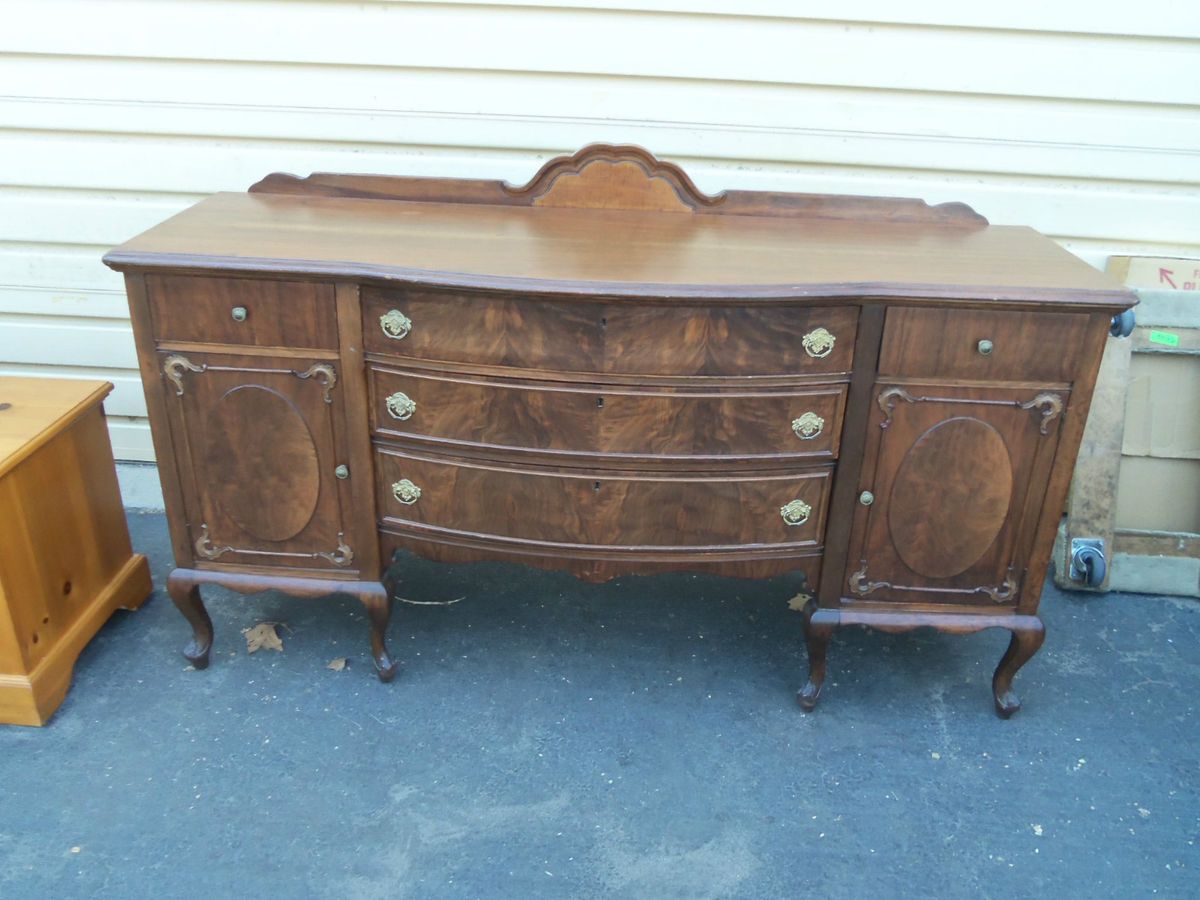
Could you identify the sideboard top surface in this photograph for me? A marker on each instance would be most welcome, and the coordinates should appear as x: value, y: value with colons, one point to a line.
x: 616, y: 252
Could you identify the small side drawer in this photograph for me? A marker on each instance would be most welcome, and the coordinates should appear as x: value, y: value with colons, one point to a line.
x: 982, y: 345
x: 243, y: 311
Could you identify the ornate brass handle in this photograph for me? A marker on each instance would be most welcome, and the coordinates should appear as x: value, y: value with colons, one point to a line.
x: 395, y: 324
x: 401, y: 406
x: 818, y: 343
x: 406, y: 492
x: 796, y: 512
x: 808, y: 426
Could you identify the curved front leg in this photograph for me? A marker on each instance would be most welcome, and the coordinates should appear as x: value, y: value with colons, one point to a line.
x: 185, y: 594
x: 818, y: 629
x: 379, y: 609
x: 1026, y: 640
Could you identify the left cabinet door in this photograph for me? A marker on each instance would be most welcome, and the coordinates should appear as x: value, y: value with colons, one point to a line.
x: 261, y: 456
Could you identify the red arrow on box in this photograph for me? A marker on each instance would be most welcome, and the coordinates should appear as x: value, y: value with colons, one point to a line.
x: 1165, y: 275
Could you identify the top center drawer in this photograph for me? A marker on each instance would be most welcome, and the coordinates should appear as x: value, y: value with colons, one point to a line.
x: 632, y: 338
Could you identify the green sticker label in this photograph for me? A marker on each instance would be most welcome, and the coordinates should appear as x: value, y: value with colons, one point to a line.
x: 1165, y: 338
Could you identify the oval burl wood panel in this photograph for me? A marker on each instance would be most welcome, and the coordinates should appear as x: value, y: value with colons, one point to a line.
x: 262, y: 463
x: 950, y: 497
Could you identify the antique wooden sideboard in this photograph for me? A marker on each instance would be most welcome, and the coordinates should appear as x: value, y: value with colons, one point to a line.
x: 608, y: 371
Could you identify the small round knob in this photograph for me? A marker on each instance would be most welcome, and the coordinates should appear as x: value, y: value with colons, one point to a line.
x: 342, y: 472
x: 238, y: 313
x: 986, y: 347
x: 866, y: 498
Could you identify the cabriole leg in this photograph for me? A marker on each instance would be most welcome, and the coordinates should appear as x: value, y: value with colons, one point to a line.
x: 818, y: 629
x: 1026, y: 640
x: 185, y: 594
x: 379, y: 609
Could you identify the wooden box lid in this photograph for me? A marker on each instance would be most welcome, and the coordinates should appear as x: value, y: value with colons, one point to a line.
x: 33, y: 410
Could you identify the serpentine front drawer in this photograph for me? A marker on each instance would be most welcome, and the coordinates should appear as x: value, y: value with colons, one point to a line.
x: 612, y: 338
x: 649, y: 424
x: 602, y: 508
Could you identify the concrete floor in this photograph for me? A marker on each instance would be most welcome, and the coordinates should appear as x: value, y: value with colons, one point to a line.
x: 637, y: 739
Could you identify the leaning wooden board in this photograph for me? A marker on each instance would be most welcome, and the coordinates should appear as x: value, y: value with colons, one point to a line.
x: 607, y: 371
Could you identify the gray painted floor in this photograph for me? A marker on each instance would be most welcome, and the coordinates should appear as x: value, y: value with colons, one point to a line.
x: 635, y: 739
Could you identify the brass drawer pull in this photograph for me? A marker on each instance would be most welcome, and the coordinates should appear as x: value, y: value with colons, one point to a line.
x: 985, y: 347
x: 401, y: 406
x: 818, y: 343
x: 395, y: 324
x: 796, y: 512
x: 238, y: 313
x: 808, y: 426
x: 406, y: 492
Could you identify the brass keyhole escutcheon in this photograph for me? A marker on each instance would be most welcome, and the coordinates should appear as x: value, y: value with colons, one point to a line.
x: 796, y: 512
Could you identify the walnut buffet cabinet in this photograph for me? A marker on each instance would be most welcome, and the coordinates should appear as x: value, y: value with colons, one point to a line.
x: 608, y: 371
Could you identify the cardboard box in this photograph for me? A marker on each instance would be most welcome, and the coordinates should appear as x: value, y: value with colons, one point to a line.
x: 1159, y: 479
x: 1162, y: 407
x: 1165, y: 273
x: 1159, y: 494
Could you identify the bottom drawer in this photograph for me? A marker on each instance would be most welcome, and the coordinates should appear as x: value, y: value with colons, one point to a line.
x: 603, y: 509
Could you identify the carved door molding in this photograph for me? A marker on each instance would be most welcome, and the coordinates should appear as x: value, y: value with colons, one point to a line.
x: 953, y: 481
x: 262, y: 441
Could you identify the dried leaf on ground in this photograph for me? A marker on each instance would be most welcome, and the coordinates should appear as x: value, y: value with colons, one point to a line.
x: 797, y: 602
x: 262, y: 636
x: 337, y: 664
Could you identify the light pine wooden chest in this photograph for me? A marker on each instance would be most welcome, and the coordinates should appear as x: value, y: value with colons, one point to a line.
x: 65, y: 557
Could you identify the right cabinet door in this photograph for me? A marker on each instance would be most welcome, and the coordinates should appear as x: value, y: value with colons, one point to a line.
x: 953, y: 483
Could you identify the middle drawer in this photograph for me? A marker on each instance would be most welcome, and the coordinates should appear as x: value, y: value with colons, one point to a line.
x: 623, y: 422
